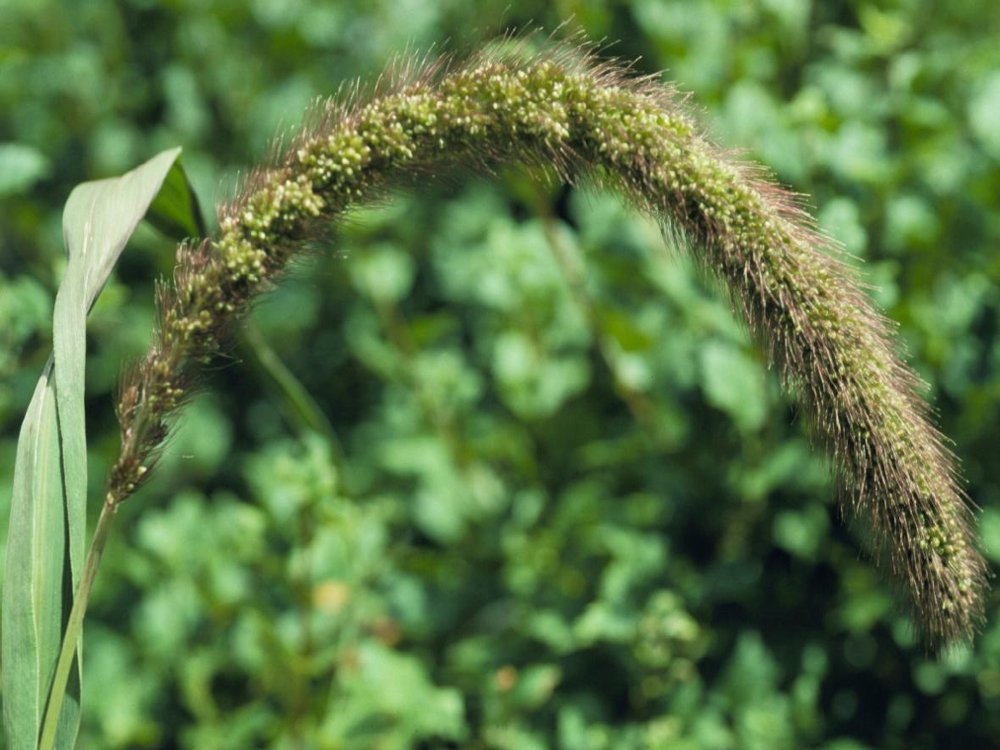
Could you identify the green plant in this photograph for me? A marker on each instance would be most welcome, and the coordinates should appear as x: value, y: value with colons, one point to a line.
x: 563, y: 112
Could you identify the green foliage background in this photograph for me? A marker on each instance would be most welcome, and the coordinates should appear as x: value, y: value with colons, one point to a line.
x: 498, y: 468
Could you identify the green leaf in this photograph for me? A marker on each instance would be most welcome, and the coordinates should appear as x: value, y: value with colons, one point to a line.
x: 48, y: 506
x: 175, y: 211
x: 734, y: 383
x: 101, y: 216
x: 984, y: 108
x: 21, y: 166
x: 34, y: 575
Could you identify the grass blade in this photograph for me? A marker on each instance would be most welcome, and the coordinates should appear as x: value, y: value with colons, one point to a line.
x: 100, y: 217
x: 48, y: 509
x: 34, y: 577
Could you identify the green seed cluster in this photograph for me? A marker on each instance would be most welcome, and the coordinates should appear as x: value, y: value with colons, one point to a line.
x: 566, y: 112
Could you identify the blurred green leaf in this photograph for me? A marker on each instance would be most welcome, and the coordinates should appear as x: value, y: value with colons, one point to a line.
x: 984, y: 114
x: 734, y: 383
x: 21, y: 166
x: 801, y: 532
x: 535, y: 382
x: 989, y: 529
x: 384, y: 273
x: 404, y: 706
x: 534, y: 685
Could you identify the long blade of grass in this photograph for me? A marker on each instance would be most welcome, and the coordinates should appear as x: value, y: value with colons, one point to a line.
x: 48, y: 508
x: 34, y: 571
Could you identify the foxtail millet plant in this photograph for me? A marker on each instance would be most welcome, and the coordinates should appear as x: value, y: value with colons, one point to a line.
x: 582, y: 119
x: 561, y: 109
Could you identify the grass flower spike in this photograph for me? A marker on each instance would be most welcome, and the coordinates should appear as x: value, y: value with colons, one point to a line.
x: 563, y: 110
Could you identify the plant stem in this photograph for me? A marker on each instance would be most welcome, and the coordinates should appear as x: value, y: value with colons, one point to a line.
x: 74, y: 627
x: 300, y: 408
